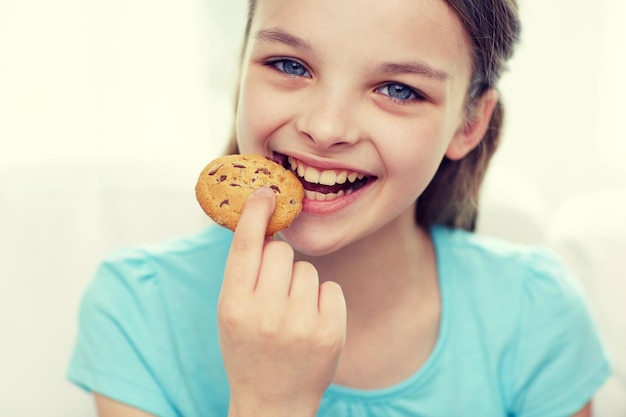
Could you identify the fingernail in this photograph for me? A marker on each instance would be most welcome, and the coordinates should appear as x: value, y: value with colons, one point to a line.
x: 264, y: 192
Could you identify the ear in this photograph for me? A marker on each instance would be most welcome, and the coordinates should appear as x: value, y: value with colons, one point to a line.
x: 472, y: 130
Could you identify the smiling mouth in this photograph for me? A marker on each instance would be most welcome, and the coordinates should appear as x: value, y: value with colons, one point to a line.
x: 323, y: 184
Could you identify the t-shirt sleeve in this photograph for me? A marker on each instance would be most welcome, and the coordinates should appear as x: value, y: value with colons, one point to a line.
x: 559, y: 362
x: 115, y: 352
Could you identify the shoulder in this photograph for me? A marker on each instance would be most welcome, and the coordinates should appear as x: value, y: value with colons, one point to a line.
x: 143, y: 304
x: 191, y: 264
x: 498, y: 262
x: 532, y: 311
x: 508, y: 285
x: 208, y: 242
x: 137, y: 292
x: 488, y: 248
x: 206, y: 249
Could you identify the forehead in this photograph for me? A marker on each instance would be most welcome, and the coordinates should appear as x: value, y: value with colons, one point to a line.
x: 393, y: 30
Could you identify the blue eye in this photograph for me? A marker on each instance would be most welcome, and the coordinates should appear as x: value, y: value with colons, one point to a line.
x: 400, y: 92
x: 290, y: 67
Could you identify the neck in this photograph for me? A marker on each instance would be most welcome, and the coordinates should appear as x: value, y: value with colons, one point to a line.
x: 379, y: 271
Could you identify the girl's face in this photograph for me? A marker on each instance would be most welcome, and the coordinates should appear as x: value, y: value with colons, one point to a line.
x: 362, y: 98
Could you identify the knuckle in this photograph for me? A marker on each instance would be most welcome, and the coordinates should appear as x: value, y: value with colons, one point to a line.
x: 332, y: 287
x: 270, y: 326
x: 307, y: 280
x: 305, y: 269
x: 333, y: 298
x: 241, y: 245
x: 315, y: 338
x: 301, y: 336
x: 230, y: 314
x: 329, y: 343
x: 279, y: 249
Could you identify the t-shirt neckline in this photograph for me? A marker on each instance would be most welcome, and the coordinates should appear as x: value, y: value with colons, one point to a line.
x: 421, y: 375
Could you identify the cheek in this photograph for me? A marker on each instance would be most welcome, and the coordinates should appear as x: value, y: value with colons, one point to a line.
x: 248, y: 121
x: 258, y: 115
x: 412, y: 162
x: 416, y: 157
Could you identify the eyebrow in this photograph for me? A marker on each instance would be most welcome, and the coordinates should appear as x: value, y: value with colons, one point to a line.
x: 420, y: 68
x: 280, y: 36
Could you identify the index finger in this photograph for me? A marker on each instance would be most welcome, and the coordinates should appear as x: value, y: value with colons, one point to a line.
x: 246, y: 251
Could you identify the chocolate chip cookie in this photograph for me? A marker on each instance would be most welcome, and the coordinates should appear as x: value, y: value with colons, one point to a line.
x: 226, y: 182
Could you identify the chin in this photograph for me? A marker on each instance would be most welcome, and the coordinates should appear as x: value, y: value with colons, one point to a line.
x: 312, y: 241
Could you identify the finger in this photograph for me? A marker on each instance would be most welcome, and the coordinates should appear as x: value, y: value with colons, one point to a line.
x: 332, y: 306
x: 304, y: 290
x: 275, y: 275
x: 246, y: 251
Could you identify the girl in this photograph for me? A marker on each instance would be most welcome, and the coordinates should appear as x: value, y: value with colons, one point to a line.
x: 378, y: 300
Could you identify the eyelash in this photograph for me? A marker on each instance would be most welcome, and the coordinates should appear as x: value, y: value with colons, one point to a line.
x: 277, y: 62
x: 416, y: 96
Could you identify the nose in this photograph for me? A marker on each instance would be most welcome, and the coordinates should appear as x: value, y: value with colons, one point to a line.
x: 327, y: 117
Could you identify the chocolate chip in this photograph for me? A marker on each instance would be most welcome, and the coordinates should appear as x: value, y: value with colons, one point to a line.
x: 215, y: 169
x: 275, y: 188
x: 224, y: 202
x: 235, y: 185
x: 263, y: 171
x: 222, y: 178
x: 239, y: 166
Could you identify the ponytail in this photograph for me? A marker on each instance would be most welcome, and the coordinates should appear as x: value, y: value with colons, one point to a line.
x: 451, y: 198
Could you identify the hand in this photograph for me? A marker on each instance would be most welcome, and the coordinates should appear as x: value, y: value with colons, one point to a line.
x: 281, y: 332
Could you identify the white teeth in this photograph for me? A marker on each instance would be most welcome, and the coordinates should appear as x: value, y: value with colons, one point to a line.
x: 312, y: 175
x: 328, y: 178
x: 325, y: 177
x: 314, y: 195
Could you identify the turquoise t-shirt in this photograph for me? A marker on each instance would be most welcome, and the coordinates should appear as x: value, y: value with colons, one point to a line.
x: 516, y: 338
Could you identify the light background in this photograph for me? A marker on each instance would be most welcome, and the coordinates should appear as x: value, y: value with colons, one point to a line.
x: 120, y: 84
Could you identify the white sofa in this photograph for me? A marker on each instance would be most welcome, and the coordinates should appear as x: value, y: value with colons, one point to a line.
x: 58, y: 220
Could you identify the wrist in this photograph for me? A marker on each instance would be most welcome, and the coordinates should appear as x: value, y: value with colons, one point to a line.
x: 267, y: 409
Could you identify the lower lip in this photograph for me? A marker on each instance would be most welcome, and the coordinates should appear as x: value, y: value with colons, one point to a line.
x: 326, y: 207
